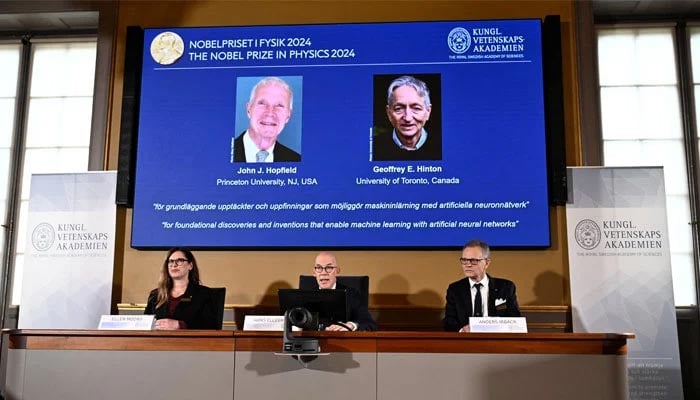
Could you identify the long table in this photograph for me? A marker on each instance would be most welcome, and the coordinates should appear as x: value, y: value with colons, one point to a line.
x: 86, y: 364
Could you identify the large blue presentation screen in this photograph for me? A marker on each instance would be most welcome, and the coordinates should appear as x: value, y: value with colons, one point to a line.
x: 382, y: 135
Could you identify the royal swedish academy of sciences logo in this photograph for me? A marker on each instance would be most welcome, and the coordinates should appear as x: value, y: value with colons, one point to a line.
x: 587, y: 234
x: 458, y: 40
x: 43, y: 236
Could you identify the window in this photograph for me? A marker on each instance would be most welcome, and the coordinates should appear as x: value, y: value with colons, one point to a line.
x: 9, y: 67
x: 57, y: 131
x: 695, y: 57
x: 642, y: 125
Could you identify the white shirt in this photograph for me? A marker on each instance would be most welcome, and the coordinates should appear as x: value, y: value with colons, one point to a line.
x: 484, y: 294
x: 251, y: 150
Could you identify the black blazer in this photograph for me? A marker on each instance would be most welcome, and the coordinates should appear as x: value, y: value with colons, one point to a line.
x: 281, y: 153
x: 358, y: 313
x: 458, y: 306
x: 197, y: 308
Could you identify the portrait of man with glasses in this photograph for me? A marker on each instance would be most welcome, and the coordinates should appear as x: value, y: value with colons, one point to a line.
x: 478, y: 294
x: 325, y: 270
x: 413, y: 132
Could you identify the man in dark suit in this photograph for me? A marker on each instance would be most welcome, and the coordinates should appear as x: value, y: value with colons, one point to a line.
x: 479, y: 294
x: 325, y: 270
x: 269, y: 110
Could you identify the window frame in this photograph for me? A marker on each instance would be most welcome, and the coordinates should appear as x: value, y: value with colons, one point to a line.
x: 589, y: 84
x: 96, y: 146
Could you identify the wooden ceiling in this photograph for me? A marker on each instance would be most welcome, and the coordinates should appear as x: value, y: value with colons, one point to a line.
x: 13, y: 19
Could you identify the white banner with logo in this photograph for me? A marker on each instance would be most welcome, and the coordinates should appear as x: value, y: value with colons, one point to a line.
x: 620, y: 270
x: 68, y: 264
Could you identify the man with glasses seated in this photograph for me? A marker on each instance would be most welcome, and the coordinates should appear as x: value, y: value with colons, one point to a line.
x: 479, y: 294
x: 326, y: 270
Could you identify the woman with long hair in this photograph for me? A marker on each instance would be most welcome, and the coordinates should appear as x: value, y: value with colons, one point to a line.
x: 180, y: 301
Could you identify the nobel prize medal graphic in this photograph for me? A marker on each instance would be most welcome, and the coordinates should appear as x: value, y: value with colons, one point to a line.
x: 167, y: 48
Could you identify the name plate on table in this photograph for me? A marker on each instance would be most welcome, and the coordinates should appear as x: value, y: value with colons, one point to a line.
x: 498, y: 324
x: 265, y: 323
x: 127, y: 322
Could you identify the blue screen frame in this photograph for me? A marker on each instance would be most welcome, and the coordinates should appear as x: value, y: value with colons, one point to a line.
x: 490, y: 181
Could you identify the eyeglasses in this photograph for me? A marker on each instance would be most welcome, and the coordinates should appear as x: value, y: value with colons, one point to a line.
x: 472, y: 261
x: 402, y: 109
x: 177, y: 261
x: 327, y: 268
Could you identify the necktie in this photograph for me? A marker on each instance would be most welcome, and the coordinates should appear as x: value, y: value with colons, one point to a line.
x: 261, y: 156
x: 478, y: 307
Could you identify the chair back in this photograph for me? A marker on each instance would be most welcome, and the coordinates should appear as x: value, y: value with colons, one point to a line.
x: 360, y: 283
x: 219, y: 295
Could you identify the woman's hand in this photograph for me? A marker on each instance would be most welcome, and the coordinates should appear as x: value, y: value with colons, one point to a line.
x: 167, y: 324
